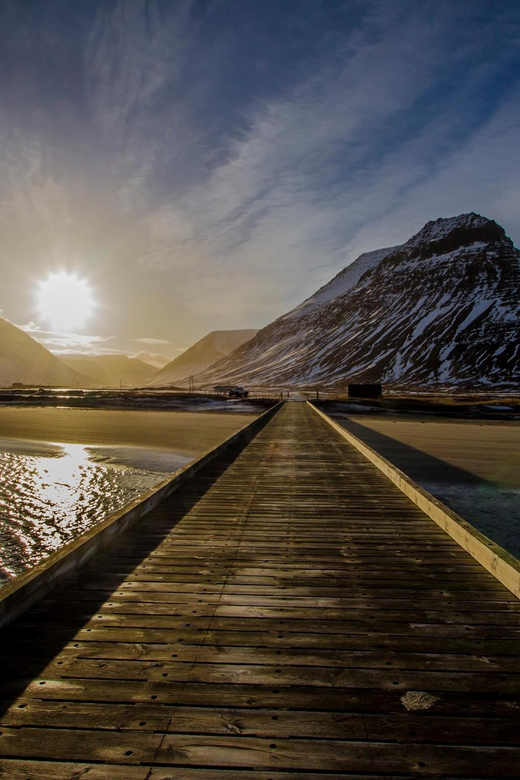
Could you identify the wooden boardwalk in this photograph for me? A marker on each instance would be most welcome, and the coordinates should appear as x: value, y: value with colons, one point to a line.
x: 287, y: 614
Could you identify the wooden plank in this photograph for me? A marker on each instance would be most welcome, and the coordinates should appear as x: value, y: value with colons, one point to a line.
x: 125, y: 747
x: 210, y: 653
x: 191, y: 773
x: 469, y: 705
x: 20, y: 769
x: 490, y: 618
x: 337, y: 756
x: 258, y: 674
x: 77, y: 715
x: 284, y: 724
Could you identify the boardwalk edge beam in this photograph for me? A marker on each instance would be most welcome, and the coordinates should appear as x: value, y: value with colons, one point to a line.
x: 31, y: 586
x: 497, y: 561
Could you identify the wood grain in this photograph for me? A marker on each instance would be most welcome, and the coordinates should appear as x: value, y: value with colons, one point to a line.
x: 289, y: 613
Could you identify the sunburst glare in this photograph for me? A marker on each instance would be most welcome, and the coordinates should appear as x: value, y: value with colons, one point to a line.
x: 65, y: 301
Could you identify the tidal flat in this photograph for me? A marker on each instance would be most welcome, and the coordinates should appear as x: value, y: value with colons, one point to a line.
x: 63, y: 470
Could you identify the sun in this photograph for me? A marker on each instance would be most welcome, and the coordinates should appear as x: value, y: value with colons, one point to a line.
x: 65, y: 301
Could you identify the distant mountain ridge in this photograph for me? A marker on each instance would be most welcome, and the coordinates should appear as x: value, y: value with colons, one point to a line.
x: 111, y: 370
x: 24, y: 360
x: 440, y: 310
x: 200, y: 356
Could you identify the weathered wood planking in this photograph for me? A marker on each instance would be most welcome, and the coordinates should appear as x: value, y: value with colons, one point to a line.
x: 501, y: 563
x: 287, y: 614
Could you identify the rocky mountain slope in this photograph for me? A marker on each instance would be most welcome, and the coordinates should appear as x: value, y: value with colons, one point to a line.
x: 200, y: 356
x: 442, y: 310
x: 110, y: 370
x: 23, y: 360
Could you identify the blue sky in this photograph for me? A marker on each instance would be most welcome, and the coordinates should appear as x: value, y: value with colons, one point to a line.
x: 208, y: 164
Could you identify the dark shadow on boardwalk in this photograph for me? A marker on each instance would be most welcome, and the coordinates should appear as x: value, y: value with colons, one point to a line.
x: 35, y: 638
x: 418, y: 465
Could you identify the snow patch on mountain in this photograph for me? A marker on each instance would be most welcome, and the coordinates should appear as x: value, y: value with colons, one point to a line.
x: 344, y: 281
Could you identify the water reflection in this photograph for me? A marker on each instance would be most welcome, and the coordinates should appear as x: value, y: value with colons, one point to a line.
x: 49, y: 494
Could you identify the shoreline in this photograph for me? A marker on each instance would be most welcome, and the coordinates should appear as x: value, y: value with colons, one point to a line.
x: 188, y: 433
x: 64, y: 470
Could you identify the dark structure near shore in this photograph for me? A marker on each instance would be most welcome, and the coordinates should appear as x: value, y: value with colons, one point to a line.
x: 365, y: 391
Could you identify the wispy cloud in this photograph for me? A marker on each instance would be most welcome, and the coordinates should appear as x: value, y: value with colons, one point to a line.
x: 209, y: 165
x: 370, y: 125
x: 147, y: 340
x: 61, y: 343
x: 57, y: 341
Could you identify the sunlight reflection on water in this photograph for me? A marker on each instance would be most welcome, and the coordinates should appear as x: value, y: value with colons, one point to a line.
x: 50, y: 494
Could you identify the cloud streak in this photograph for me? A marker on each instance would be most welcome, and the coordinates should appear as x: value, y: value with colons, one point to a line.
x: 213, y: 165
x: 146, y: 340
x: 349, y: 144
x: 61, y: 342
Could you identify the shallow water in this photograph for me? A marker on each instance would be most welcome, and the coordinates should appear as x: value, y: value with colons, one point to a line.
x: 493, y: 510
x: 51, y: 493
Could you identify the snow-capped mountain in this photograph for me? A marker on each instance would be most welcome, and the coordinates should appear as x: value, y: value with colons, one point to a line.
x: 440, y: 310
x: 23, y: 360
x: 200, y: 356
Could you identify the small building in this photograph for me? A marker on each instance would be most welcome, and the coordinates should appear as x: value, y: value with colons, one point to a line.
x: 365, y: 391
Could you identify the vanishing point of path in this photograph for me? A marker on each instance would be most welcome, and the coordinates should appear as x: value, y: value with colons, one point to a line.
x: 287, y: 614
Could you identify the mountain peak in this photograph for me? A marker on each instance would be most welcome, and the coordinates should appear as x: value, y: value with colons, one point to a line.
x: 462, y: 230
x: 208, y: 350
